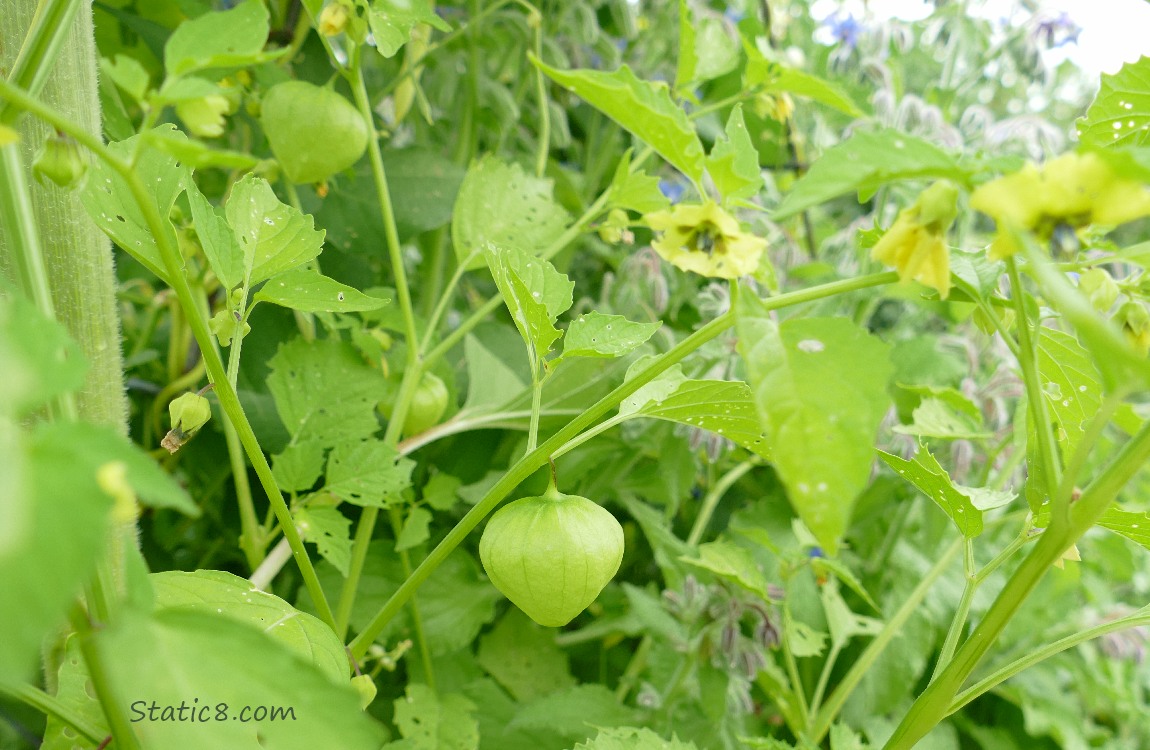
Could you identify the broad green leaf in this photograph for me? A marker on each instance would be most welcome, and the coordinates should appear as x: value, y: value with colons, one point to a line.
x: 178, y: 655
x: 731, y: 563
x: 1070, y: 385
x: 500, y: 204
x: 635, y: 191
x: 706, y: 51
x: 325, y: 392
x: 392, y: 22
x: 429, y: 721
x: 925, y: 473
x: 598, y: 335
x: 726, y: 408
x: 802, y: 639
x: 844, y: 738
x: 221, y: 247
x: 523, y: 658
x: 643, y: 108
x: 495, y: 710
x: 800, y: 83
x: 72, y: 692
x: 842, y: 622
x: 575, y: 712
x: 299, y: 465
x: 127, y: 73
x: 229, y: 39
x: 1120, y: 114
x: 1134, y: 526
x: 218, y: 592
x: 273, y: 236
x: 976, y: 271
x: 688, y: 53
x: 935, y: 417
x: 110, y: 203
x: 734, y: 163
x: 535, y: 295
x: 820, y: 385
x: 865, y: 162
x: 368, y: 473
x: 330, y: 531
x: 177, y: 90
x: 492, y: 382
x: 38, y: 359
x: 668, y: 549
x: 632, y: 738
x: 441, y: 491
x: 415, y: 529
x: 657, y: 389
x: 308, y: 290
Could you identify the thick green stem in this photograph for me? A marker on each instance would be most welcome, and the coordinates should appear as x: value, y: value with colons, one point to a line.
x: 537, y: 458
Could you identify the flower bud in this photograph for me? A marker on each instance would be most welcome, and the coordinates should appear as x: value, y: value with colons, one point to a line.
x: 204, y: 116
x: 333, y: 19
x: 1099, y: 288
x: 189, y: 413
x: 1135, y: 322
x: 62, y: 161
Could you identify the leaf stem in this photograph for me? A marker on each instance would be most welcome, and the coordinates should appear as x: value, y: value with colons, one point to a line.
x: 118, y: 721
x: 962, y: 611
x: 711, y: 501
x: 51, y: 706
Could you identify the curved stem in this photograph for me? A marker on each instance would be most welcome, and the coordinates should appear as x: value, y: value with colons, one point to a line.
x: 50, y: 705
x: 711, y: 501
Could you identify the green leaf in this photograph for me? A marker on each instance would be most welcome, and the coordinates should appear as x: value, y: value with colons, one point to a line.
x: 865, y: 162
x: 706, y: 51
x: 925, y: 473
x: 1070, y: 386
x: 1134, y: 526
x: 328, y: 529
x: 392, y: 21
x: 415, y: 529
x: 178, y: 655
x: 632, y: 738
x: 218, y: 592
x: 432, y: 722
x: 535, y: 294
x: 500, y: 204
x: 308, y: 290
x: 820, y: 385
x: 842, y: 622
x: 523, y: 658
x: 221, y: 247
x: 776, y: 79
x: 935, y: 417
x: 643, y: 108
x: 597, y: 335
x: 1120, y: 114
x: 273, y: 236
x: 802, y: 639
x: 688, y: 52
x: 734, y: 163
x: 731, y: 563
x: 110, y: 203
x: 230, y: 39
x: 127, y: 73
x: 325, y: 392
x: 492, y: 382
x: 976, y: 271
x: 723, y: 407
x: 575, y: 711
x: 441, y: 491
x: 635, y: 191
x: 368, y: 473
x: 38, y: 359
x: 299, y: 465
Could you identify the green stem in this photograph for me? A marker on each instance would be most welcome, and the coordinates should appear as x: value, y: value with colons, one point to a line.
x: 958, y: 623
x: 51, y: 706
x: 711, y: 501
x: 792, y: 666
x: 537, y: 458
x: 413, y: 369
x: 934, y: 703
x: 634, y: 668
x: 251, y: 534
x: 47, y: 32
x: 118, y: 721
x: 416, y: 616
x: 830, y: 710
x: 824, y: 677
x: 544, y: 134
x: 1141, y: 618
x: 536, y: 402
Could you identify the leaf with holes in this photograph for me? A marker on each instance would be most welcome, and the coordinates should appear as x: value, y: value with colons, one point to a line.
x: 367, y: 473
x: 1120, y: 114
x: 925, y: 473
x: 328, y: 529
x: 723, y: 407
x: 599, y: 335
x: 226, y: 39
x: 273, y: 236
x: 307, y: 290
x: 535, y: 295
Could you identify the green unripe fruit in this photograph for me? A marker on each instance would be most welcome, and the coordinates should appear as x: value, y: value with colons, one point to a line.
x: 61, y: 160
x: 313, y: 131
x: 427, y: 405
x: 551, y: 555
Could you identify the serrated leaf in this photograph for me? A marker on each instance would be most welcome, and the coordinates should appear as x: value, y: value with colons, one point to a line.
x: 523, y: 658
x: 429, y: 721
x: 820, y: 385
x: 726, y: 408
x: 273, y: 236
x: 575, y: 712
x: 221, y: 247
x: 976, y: 271
x: 643, y: 108
x: 299, y: 465
x: 226, y: 39
x: 535, y: 295
x: 731, y: 563
x: 925, y: 473
x: 802, y: 639
x: 218, y: 592
x: 368, y: 473
x: 597, y: 335
x: 633, y: 738
x: 635, y: 191
x: 325, y: 392
x: 415, y: 529
x: 734, y: 163
x: 842, y: 622
x: 308, y: 290
x: 863, y: 163
x: 109, y: 201
x: 1120, y: 114
x: 329, y: 530
x: 934, y: 417
x: 392, y: 21
x: 500, y: 204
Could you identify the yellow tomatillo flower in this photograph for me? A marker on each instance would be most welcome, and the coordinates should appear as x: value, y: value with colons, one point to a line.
x: 915, y: 245
x: 707, y: 240
x: 1074, y: 190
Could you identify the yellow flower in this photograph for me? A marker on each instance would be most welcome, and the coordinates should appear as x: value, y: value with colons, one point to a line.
x: 1074, y: 190
x: 707, y: 240
x: 915, y: 245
